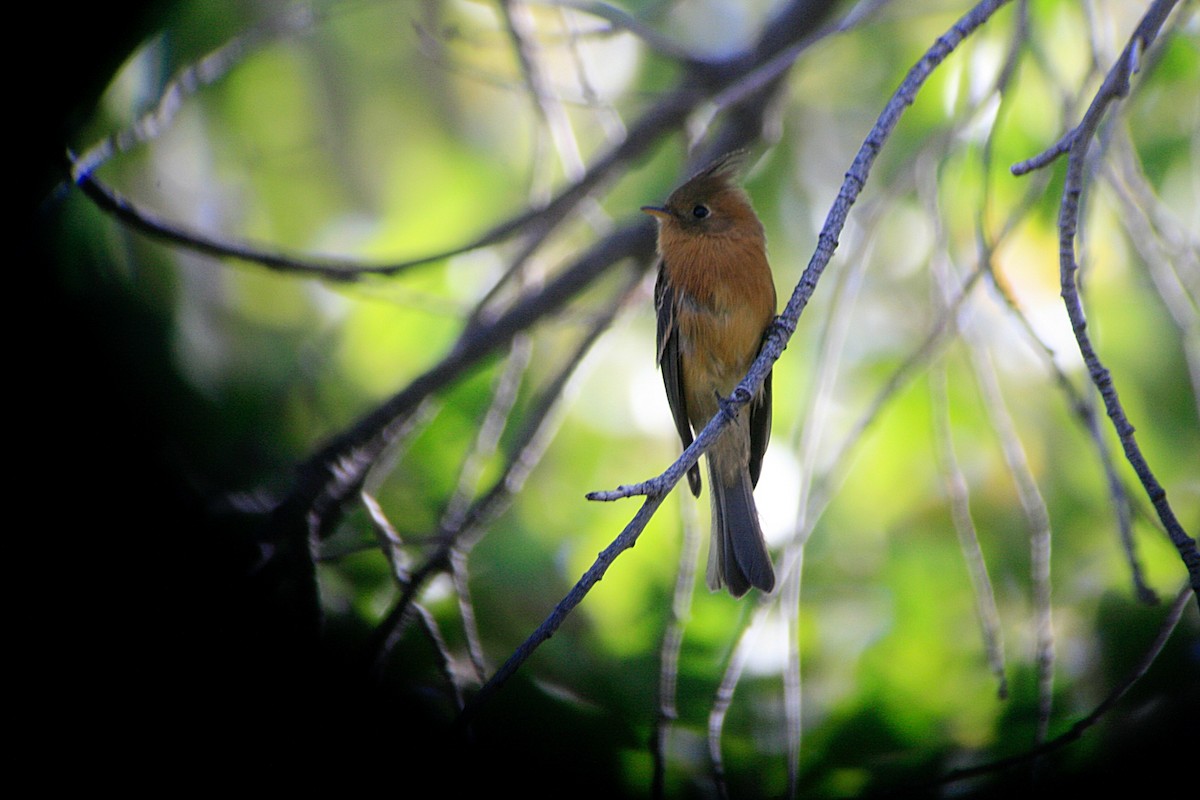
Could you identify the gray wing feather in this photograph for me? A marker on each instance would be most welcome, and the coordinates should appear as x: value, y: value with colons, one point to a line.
x: 668, y: 361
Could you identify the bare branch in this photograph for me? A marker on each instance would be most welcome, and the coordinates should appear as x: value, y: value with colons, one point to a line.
x: 681, y: 602
x: 455, y: 539
x: 1037, y: 518
x: 1083, y: 410
x: 724, y: 696
x: 1047, y: 156
x: 1116, y: 85
x: 627, y: 538
x: 189, y: 80
x: 968, y: 536
x: 537, y: 222
x: 504, y: 396
x: 367, y: 436
x: 620, y: 19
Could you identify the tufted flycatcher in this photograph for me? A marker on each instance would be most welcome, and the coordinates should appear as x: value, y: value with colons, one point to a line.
x: 715, y: 300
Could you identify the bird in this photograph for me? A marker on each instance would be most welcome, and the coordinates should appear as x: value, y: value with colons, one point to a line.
x: 715, y: 303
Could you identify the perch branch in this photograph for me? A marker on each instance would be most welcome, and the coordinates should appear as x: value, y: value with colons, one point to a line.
x: 627, y: 539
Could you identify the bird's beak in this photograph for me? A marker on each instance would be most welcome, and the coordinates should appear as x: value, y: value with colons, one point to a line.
x: 657, y: 211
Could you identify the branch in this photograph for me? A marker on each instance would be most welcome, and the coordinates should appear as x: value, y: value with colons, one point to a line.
x: 627, y: 539
x: 1078, y: 403
x: 538, y: 222
x: 368, y: 435
x: 458, y: 534
x: 204, y: 72
x: 1115, y: 86
x: 666, y: 116
x: 730, y: 679
x: 668, y: 674
x: 620, y: 19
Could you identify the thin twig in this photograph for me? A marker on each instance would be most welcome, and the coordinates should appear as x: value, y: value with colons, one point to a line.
x: 622, y: 20
x: 964, y: 525
x: 187, y: 82
x: 1172, y: 260
x: 538, y: 221
x: 1037, y: 517
x: 487, y: 438
x: 454, y: 542
x: 504, y: 396
x: 668, y: 673
x: 789, y: 602
x: 723, y: 700
x: 948, y: 297
x: 315, y: 488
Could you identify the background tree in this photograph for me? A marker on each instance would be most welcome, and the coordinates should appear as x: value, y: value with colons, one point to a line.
x: 357, y: 304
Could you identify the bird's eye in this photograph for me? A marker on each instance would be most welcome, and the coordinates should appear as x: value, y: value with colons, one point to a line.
x: 700, y: 211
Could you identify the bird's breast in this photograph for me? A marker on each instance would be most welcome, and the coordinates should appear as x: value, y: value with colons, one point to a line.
x: 725, y: 299
x: 720, y: 316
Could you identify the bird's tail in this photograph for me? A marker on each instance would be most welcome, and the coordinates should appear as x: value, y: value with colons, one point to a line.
x: 737, y: 556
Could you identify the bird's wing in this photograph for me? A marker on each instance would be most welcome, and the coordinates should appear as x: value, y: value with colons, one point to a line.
x: 760, y: 428
x: 668, y: 361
